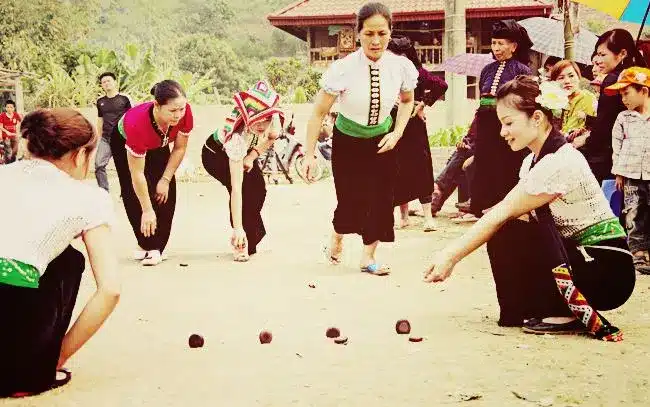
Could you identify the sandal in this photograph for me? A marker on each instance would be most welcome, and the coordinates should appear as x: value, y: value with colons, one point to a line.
x: 58, y: 382
x: 333, y: 260
x: 642, y: 265
x: 241, y: 256
x: 537, y: 326
x: 429, y: 227
x: 376, y: 270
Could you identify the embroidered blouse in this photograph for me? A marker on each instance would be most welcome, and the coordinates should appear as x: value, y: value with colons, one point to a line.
x: 141, y: 132
x: 497, y: 73
x: 367, y: 90
x: 581, y: 106
x: 580, y: 202
x: 241, y: 142
x: 48, y: 210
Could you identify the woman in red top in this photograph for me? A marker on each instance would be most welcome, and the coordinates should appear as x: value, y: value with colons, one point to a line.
x: 9, y: 128
x: 146, y: 166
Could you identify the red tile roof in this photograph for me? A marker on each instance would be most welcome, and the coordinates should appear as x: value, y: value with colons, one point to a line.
x: 322, y: 12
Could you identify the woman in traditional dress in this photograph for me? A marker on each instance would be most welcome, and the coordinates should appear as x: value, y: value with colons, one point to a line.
x: 40, y: 272
x: 146, y: 166
x: 366, y: 83
x: 414, y: 164
x: 578, y: 258
x: 230, y: 156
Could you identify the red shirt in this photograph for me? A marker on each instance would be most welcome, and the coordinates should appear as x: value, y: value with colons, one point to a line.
x: 137, y: 127
x: 9, y: 123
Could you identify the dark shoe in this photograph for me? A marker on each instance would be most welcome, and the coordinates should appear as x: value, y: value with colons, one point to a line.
x: 537, y: 326
x: 464, y: 206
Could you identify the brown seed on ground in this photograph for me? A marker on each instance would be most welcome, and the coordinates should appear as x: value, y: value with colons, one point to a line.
x: 415, y: 339
x: 266, y: 337
x: 312, y: 285
x: 333, y: 332
x: 341, y: 340
x: 403, y: 326
x: 196, y: 341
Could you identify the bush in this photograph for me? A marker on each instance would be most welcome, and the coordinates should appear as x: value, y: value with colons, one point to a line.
x: 299, y: 95
x: 448, y: 137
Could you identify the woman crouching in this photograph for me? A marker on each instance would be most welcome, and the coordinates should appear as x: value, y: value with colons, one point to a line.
x: 579, y: 261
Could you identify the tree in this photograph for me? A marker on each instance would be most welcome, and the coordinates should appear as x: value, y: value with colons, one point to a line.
x: 287, y: 74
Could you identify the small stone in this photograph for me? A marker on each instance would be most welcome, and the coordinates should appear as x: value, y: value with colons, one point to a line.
x: 341, y: 340
x: 415, y: 339
x: 196, y: 341
x: 403, y: 327
x: 332, y: 332
x: 266, y: 337
x: 184, y: 264
x: 312, y: 285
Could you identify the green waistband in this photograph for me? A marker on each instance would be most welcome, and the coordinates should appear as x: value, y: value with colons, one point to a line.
x: 604, y: 230
x: 120, y: 127
x: 19, y: 274
x: 354, y: 129
x: 488, y: 101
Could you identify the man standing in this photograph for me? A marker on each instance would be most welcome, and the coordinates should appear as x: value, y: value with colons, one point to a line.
x: 110, y: 109
x: 9, y: 132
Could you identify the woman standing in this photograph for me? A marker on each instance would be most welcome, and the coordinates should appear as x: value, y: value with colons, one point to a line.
x: 414, y: 163
x: 582, y: 260
x: 366, y: 84
x: 146, y: 167
x: 615, y: 51
x: 230, y: 156
x: 40, y: 272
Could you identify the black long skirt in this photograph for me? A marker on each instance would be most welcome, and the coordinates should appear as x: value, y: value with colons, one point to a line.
x: 414, y: 164
x: 523, y: 255
x: 496, y: 166
x: 365, y: 186
x: 34, y: 322
x: 155, y: 164
x: 217, y: 164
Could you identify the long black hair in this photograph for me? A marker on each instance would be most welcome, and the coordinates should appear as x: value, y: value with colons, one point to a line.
x: 402, y: 45
x: 616, y: 41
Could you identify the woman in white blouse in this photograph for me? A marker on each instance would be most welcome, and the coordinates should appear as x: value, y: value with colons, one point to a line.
x: 40, y: 272
x: 366, y: 83
x: 572, y: 233
x: 230, y: 156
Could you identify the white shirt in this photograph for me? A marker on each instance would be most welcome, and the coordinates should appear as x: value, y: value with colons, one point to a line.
x: 238, y: 145
x: 580, y: 202
x: 350, y: 79
x: 44, y: 210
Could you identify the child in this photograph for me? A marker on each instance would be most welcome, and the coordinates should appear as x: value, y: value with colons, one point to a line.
x: 9, y: 128
x: 631, y: 145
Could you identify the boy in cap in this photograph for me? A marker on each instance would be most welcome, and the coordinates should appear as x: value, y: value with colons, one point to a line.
x: 631, y: 158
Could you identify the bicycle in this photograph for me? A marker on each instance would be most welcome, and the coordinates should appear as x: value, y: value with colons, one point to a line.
x: 286, y: 153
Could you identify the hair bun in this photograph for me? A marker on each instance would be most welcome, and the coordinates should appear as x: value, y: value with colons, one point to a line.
x: 153, y: 89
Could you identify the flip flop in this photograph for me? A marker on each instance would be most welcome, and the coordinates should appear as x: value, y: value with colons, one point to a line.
x: 333, y: 260
x: 55, y: 385
x: 376, y: 270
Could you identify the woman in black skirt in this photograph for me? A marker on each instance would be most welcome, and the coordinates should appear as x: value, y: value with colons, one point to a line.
x: 578, y: 259
x: 40, y: 271
x: 414, y: 164
x: 146, y: 167
x: 230, y: 156
x: 366, y: 84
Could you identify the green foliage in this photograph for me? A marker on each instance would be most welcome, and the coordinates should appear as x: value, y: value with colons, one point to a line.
x: 299, y: 95
x: 288, y: 74
x: 448, y: 137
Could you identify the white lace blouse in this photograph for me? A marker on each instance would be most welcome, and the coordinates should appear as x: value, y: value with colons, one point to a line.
x: 580, y: 202
x: 367, y: 90
x: 44, y: 210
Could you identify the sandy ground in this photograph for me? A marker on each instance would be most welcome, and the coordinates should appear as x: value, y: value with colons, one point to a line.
x: 141, y: 356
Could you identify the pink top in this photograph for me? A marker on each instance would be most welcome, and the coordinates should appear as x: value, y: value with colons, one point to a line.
x: 138, y: 127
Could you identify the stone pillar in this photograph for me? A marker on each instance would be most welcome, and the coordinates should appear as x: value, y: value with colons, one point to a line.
x: 454, y: 43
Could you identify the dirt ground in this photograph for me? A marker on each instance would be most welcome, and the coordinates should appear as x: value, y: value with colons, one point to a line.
x: 141, y: 356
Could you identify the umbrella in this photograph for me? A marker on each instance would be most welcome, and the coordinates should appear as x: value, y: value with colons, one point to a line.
x: 548, y: 38
x: 469, y: 64
x: 631, y: 11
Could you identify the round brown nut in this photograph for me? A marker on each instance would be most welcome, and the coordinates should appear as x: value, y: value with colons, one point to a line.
x: 196, y: 341
x: 415, y: 339
x: 333, y: 332
x: 341, y: 340
x: 266, y: 337
x: 403, y: 327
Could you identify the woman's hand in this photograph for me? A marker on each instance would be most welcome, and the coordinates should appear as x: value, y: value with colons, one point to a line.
x: 620, y: 182
x: 238, y: 239
x: 388, y: 142
x: 440, y: 270
x: 309, y: 167
x: 419, y: 110
x: 580, y: 140
x: 162, y: 191
x: 148, y: 223
x: 249, y: 160
x: 467, y: 163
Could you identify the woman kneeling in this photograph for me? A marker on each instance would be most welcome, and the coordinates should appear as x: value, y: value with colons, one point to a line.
x: 40, y: 272
x: 576, y: 256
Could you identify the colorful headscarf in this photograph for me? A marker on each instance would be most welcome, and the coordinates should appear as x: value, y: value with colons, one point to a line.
x: 251, y: 106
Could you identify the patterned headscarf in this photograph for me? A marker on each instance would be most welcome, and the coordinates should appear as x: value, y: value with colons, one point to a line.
x: 252, y: 106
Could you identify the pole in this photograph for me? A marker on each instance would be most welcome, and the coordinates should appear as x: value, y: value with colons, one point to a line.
x: 645, y: 16
x: 454, y: 44
x: 569, y: 51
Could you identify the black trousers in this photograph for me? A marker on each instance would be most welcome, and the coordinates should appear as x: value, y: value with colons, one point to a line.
x: 34, y: 322
x: 523, y: 255
x: 217, y: 164
x: 155, y: 164
x: 365, y: 185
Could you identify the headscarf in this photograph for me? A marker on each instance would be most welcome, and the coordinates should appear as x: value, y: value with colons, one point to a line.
x: 252, y: 106
x: 512, y: 31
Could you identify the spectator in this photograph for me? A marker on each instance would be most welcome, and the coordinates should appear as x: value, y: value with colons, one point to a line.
x: 9, y: 132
